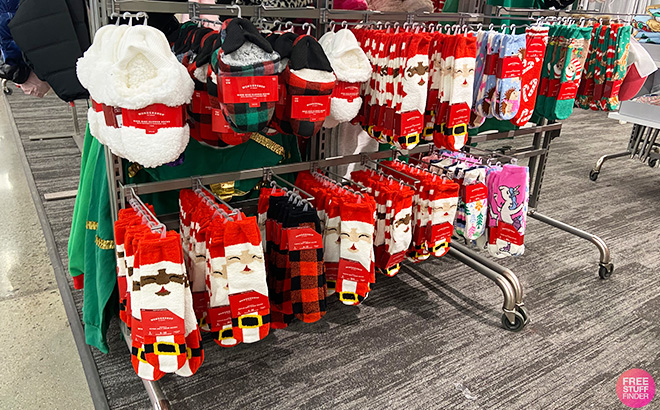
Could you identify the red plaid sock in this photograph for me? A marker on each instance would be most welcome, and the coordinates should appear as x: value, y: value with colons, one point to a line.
x: 246, y: 274
x: 161, y: 301
x: 356, y: 264
x: 308, y: 288
x: 279, y: 279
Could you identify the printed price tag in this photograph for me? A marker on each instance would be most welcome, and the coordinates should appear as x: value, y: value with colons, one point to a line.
x: 161, y: 322
x: 247, y: 302
x: 347, y: 91
x: 219, y: 122
x: 301, y: 239
x: 248, y: 90
x: 508, y: 233
x: 411, y: 122
x: 201, y: 103
x: 137, y: 330
x: 509, y: 67
x: 458, y: 114
x: 153, y: 117
x: 441, y: 232
x: 312, y: 107
x: 568, y: 91
x: 475, y: 192
x: 218, y: 317
x: 351, y: 270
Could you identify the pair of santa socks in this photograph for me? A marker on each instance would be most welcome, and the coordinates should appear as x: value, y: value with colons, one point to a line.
x: 351, y: 66
x: 133, y: 78
x: 508, y: 195
x: 164, y: 333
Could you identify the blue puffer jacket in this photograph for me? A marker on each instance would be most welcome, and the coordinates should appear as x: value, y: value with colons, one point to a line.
x: 14, y: 67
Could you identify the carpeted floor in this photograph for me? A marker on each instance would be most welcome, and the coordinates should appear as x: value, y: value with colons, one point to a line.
x: 431, y: 336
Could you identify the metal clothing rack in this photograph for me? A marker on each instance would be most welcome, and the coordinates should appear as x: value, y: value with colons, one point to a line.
x: 515, y: 315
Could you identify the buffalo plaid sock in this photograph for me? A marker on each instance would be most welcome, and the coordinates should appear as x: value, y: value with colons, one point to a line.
x: 536, y: 42
x: 219, y: 312
x: 246, y: 274
x: 163, y: 284
x: 242, y: 45
x: 617, y: 69
x: 460, y: 101
x: 308, y: 287
x: 442, y: 207
x: 276, y: 269
x: 356, y: 264
x: 442, y: 111
x: 509, y: 76
x: 262, y: 209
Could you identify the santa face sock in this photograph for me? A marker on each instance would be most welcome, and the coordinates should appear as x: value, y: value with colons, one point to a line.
x: 460, y: 101
x: 508, y: 199
x: 442, y: 111
x: 442, y: 207
x: 356, y: 264
x: 414, y: 87
x: 246, y: 274
x: 536, y: 43
x: 508, y: 76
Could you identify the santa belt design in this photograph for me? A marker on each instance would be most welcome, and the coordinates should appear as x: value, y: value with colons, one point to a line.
x: 141, y: 351
x: 223, y: 334
x: 348, y: 296
x: 410, y: 139
x: 252, y: 321
x: 439, y: 246
x: 460, y: 129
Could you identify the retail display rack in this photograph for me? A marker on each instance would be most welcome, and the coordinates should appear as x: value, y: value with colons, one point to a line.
x: 515, y: 315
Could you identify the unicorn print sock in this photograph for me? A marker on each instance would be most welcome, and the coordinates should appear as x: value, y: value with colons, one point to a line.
x: 509, y: 197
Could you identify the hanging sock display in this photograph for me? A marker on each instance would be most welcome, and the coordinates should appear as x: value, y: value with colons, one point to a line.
x: 509, y: 73
x: 508, y: 194
x: 536, y: 43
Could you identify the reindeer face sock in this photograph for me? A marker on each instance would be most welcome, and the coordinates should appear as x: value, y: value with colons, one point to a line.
x: 536, y: 42
x: 246, y: 273
x: 356, y: 264
x: 162, y: 301
x: 509, y: 74
x: 510, y: 207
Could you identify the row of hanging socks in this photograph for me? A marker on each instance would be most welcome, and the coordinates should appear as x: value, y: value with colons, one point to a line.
x: 225, y: 259
x: 155, y: 297
x: 245, y: 83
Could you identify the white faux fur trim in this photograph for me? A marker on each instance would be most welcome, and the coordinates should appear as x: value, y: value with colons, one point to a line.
x: 85, y: 66
x: 343, y: 111
x: 112, y: 138
x: 146, y: 72
x: 326, y: 41
x: 201, y: 73
x: 93, y: 120
x: 152, y: 150
x: 248, y: 54
x: 315, y: 76
x: 348, y: 60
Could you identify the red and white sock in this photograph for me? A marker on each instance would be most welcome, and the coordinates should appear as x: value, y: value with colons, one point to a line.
x: 356, y: 263
x: 462, y: 84
x: 246, y: 274
x: 400, y: 229
x: 537, y: 41
x: 163, y: 284
x: 442, y: 111
x: 331, y: 242
x: 219, y: 313
x: 442, y: 204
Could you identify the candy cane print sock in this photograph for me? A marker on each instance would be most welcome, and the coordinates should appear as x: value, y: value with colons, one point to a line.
x: 611, y: 92
x: 572, y: 73
x: 510, y: 198
x: 442, y: 205
x: 476, y: 202
x: 509, y: 72
x: 460, y: 101
x: 356, y: 263
x: 536, y: 43
x: 219, y: 313
x: 246, y: 274
x: 162, y: 301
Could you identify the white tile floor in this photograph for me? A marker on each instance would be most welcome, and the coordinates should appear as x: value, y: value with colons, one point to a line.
x: 40, y: 366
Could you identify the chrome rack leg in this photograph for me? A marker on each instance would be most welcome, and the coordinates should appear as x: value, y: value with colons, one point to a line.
x: 605, y: 265
x: 634, y: 136
x: 158, y: 399
x: 504, y: 271
x: 512, y: 318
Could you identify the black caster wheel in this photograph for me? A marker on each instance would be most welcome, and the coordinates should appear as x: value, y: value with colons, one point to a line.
x: 7, y: 91
x: 593, y: 175
x: 653, y: 162
x: 605, y: 271
x: 523, y: 312
x: 517, y: 326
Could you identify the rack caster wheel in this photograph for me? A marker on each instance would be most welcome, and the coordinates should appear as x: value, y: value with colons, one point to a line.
x: 593, y: 175
x: 7, y: 91
x: 605, y: 271
x: 523, y: 312
x: 653, y: 162
x: 519, y: 322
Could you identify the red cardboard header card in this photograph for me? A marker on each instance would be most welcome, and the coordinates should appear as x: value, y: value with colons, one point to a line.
x: 218, y: 317
x: 201, y: 103
x: 312, y: 107
x: 161, y: 322
x: 248, y: 90
x: 509, y: 233
x: 441, y: 232
x: 458, y: 114
x: 509, y: 67
x: 475, y: 192
x: 153, y: 117
x: 568, y: 91
x: 411, y: 122
x: 302, y: 239
x: 347, y: 91
x: 250, y: 302
x: 219, y: 122
x: 351, y: 270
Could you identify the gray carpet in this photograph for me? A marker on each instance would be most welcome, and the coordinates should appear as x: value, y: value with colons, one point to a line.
x: 431, y: 337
